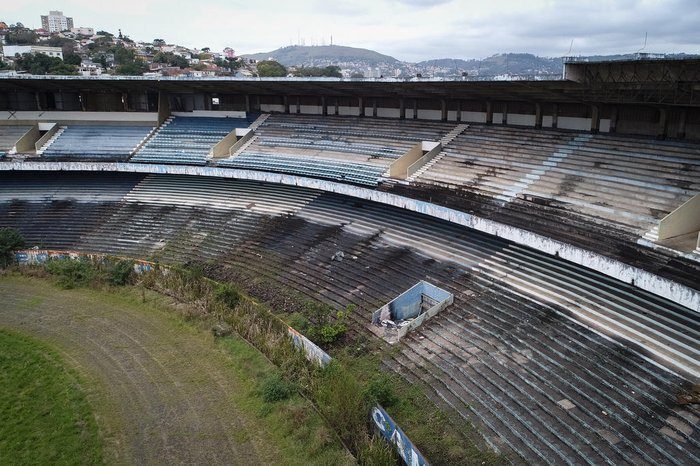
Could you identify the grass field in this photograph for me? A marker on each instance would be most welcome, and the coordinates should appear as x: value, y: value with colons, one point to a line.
x: 163, y: 390
x: 44, y: 414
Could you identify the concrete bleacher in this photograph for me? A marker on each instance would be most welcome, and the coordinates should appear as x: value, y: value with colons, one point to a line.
x: 9, y: 135
x: 629, y: 182
x: 356, y: 173
x: 339, y: 143
x: 514, y: 353
x: 94, y: 142
x: 186, y: 140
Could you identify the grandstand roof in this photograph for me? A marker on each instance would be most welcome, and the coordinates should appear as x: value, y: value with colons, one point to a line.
x: 667, y: 92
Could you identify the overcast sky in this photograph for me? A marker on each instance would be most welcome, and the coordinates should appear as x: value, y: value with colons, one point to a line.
x: 410, y: 30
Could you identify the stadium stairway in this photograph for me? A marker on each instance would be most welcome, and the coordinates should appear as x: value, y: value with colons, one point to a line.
x: 9, y: 135
x: 514, y: 354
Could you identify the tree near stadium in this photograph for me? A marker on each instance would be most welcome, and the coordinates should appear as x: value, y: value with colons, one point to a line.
x: 10, y: 240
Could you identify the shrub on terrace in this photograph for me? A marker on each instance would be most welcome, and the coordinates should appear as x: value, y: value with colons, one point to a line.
x: 10, y: 240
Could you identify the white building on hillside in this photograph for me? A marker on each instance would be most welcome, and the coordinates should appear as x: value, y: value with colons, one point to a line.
x: 56, y: 22
x: 11, y: 50
x: 83, y: 31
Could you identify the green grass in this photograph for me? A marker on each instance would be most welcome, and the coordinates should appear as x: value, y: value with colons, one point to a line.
x: 44, y: 415
x: 300, y: 432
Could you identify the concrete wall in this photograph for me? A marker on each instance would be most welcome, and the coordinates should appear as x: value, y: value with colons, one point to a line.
x: 643, y: 279
x: 47, y: 135
x: 212, y: 113
x: 81, y: 117
x: 242, y: 135
x: 576, y: 123
x: 412, y: 160
x: 27, y: 143
x: 685, y: 219
x: 223, y: 147
x: 408, y: 306
x: 393, y: 434
x: 313, y: 352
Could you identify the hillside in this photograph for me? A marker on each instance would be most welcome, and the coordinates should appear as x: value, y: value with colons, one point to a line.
x: 322, y: 55
x: 504, y: 63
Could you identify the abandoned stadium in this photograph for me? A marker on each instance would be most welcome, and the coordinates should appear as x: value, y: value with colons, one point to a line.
x: 530, y: 249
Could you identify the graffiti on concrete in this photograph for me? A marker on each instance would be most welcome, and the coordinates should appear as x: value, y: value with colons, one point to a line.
x: 313, y: 352
x: 40, y: 256
x: 395, y: 436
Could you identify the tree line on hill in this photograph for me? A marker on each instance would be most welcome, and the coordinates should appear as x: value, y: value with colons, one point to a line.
x: 274, y: 69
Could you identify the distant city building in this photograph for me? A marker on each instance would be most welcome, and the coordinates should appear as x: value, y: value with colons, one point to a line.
x: 83, y: 31
x: 11, y: 50
x: 56, y: 22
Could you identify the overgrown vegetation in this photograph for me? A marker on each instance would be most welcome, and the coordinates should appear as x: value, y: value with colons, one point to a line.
x: 344, y: 392
x: 315, y: 71
x: 10, y: 240
x: 321, y: 323
x: 77, y: 273
x: 271, y: 69
x: 46, y: 418
x: 40, y: 63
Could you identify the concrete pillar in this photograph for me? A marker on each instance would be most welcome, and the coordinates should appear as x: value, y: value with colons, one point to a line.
x: 489, y: 112
x: 361, y: 105
x: 505, y: 113
x: 337, y: 109
x: 613, y: 119
x: 459, y: 110
x: 662, y: 132
x: 374, y: 107
x: 681, y: 125
x: 257, y: 103
x: 402, y: 108
x: 37, y: 99
x: 285, y: 100
x: 595, y: 119
x: 415, y: 109
x: 83, y: 101
x: 443, y: 108
x: 538, y: 115
x: 247, y: 103
x: 555, y: 116
x: 298, y: 105
x: 324, y: 107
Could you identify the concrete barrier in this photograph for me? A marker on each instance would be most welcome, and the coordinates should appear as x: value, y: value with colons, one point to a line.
x: 40, y: 256
x: 393, y: 434
x: 411, y: 305
x: 27, y: 143
x: 416, y: 157
x: 685, y: 219
x: 313, y: 352
x: 47, y: 135
x: 231, y: 142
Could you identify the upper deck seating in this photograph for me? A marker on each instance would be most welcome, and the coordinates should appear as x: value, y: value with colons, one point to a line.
x: 368, y: 145
x: 357, y: 173
x: 9, y: 136
x: 187, y: 140
x: 96, y: 142
x: 630, y: 182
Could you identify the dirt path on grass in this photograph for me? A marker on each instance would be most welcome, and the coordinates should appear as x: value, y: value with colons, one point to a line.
x: 160, y: 388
